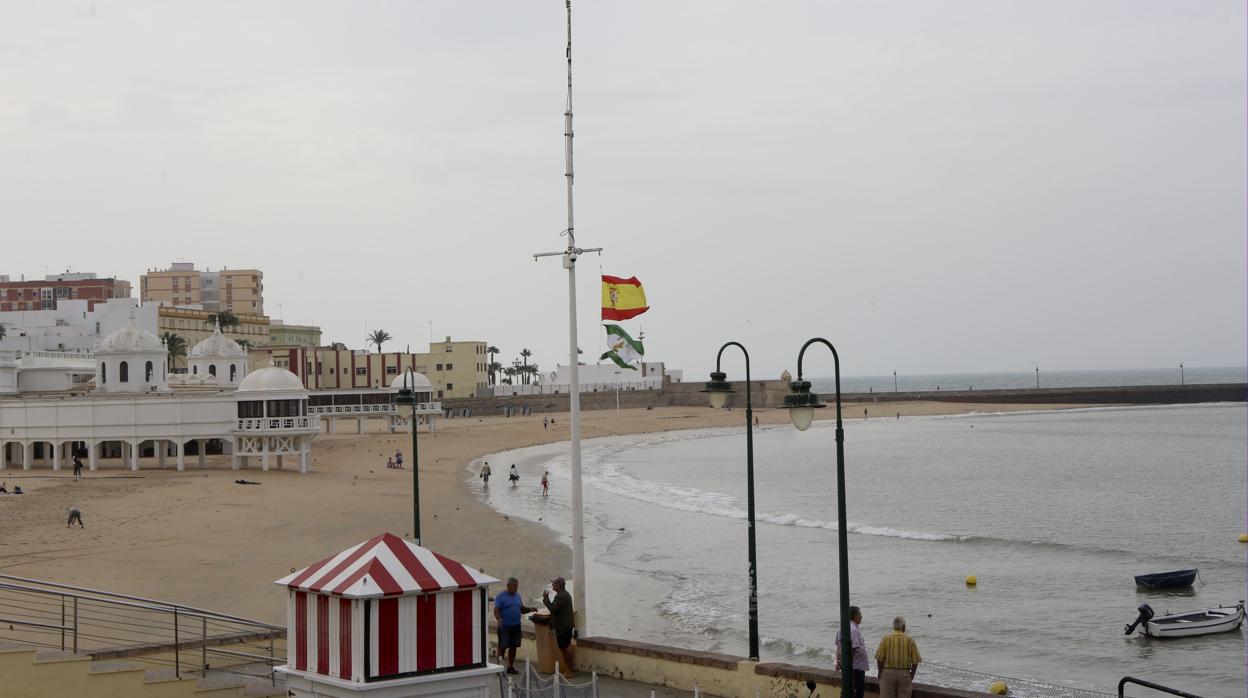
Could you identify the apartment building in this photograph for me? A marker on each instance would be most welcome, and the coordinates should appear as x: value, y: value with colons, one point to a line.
x: 44, y: 294
x: 456, y: 369
x: 195, y: 325
x: 283, y: 334
x: 240, y: 291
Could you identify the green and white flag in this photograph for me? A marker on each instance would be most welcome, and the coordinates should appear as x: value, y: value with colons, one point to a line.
x: 621, y: 348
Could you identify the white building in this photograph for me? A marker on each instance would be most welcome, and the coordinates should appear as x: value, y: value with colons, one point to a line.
x: 599, y: 377
x: 131, y: 411
x: 70, y: 327
x: 122, y: 404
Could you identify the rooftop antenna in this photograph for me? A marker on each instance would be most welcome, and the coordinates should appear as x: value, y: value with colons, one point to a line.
x: 574, y: 389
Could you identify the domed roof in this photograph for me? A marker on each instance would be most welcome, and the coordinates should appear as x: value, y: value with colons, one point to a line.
x: 130, y: 339
x: 216, y: 345
x: 415, y: 381
x: 270, y: 378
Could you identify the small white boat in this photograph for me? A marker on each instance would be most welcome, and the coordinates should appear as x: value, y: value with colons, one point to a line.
x: 1203, y: 622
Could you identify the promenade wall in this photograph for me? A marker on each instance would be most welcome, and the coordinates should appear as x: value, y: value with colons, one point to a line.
x: 770, y: 394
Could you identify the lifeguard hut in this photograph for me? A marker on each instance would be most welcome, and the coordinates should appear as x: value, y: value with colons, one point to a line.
x: 387, y: 618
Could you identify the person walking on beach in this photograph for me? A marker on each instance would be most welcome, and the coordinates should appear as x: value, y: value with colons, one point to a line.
x: 859, y: 648
x: 74, y: 515
x: 897, y: 659
x: 545, y: 483
x: 485, y: 474
x: 398, y: 459
x: 562, y: 619
x: 508, y: 607
x: 514, y: 476
x: 77, y: 467
x: 545, y: 422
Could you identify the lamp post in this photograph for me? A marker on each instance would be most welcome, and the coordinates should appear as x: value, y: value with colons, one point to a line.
x: 802, y: 404
x: 718, y: 391
x: 1182, y: 378
x: 617, y: 392
x: 1037, y: 377
x: 894, y: 380
x: 407, y: 396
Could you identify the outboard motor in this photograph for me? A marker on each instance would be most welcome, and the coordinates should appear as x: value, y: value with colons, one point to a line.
x: 1146, y: 614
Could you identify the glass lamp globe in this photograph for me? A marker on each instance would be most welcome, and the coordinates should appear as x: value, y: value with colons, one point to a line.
x: 802, y: 417
x: 718, y: 398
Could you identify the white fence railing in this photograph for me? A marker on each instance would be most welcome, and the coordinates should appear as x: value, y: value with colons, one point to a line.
x: 383, y: 408
x: 277, y: 424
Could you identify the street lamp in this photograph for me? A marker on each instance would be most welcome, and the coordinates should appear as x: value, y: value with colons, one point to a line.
x: 718, y: 390
x: 1182, y: 379
x: 407, y: 396
x: 802, y: 404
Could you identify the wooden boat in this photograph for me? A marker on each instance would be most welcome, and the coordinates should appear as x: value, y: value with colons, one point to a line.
x: 1178, y: 579
x: 1203, y: 622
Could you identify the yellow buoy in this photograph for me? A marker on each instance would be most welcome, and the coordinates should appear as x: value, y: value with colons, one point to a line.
x: 1243, y: 538
x: 971, y: 580
x: 999, y: 688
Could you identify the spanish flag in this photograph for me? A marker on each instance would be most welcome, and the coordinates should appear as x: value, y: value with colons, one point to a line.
x: 622, y: 298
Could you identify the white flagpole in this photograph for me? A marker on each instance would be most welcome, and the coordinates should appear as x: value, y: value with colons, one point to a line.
x: 569, y: 262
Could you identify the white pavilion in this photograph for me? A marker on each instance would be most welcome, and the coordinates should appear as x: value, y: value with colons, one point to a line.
x: 138, y: 409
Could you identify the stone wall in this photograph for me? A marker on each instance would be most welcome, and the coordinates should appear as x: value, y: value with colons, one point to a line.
x: 770, y: 394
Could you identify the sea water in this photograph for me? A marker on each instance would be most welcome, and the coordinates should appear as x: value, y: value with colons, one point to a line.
x: 1053, y: 511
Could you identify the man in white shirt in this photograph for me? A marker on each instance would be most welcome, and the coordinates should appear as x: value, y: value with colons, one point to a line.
x: 859, y: 649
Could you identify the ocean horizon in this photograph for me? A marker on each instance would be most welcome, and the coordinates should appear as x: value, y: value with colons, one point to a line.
x: 1022, y: 380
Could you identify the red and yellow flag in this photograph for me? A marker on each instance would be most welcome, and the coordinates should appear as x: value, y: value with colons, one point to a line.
x: 622, y: 298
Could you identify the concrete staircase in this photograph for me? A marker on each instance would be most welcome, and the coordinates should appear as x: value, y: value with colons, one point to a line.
x: 28, y: 672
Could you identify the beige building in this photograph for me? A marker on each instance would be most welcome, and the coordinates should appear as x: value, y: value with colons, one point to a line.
x: 282, y: 334
x: 195, y: 325
x: 455, y: 369
x: 240, y: 291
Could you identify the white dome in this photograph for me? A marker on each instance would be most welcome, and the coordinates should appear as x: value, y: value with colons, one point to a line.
x: 415, y: 381
x: 218, y: 345
x: 270, y: 378
x: 130, y: 339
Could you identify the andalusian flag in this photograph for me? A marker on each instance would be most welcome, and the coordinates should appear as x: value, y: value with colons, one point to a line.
x: 622, y: 298
x: 621, y: 348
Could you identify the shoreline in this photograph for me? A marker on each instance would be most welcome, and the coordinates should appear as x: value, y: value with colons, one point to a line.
x: 198, y: 538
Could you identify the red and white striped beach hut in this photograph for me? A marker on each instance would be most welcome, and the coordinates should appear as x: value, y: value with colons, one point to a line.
x: 385, y: 609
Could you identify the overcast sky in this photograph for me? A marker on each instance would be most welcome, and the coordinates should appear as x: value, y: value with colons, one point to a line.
x: 933, y: 186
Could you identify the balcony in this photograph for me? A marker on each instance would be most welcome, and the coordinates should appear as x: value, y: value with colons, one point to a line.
x: 382, y: 408
x: 277, y: 424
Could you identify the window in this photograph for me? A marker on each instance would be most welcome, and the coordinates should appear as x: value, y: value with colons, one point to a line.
x: 233, y: 373
x: 212, y: 369
x: 439, y: 367
x: 392, y: 370
x: 450, y: 386
x: 449, y: 366
x: 284, y: 408
x: 103, y: 373
x: 194, y: 370
x: 147, y: 370
x: 448, y: 348
x: 361, y: 371
x: 439, y: 394
x: 123, y: 372
x: 251, y: 409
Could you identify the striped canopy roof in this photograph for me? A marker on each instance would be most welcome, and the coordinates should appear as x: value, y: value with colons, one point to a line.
x: 385, y: 565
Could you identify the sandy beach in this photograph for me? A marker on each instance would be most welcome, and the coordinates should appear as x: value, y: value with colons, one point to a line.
x: 199, y: 539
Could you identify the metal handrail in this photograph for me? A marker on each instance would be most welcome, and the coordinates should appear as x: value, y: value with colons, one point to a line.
x: 1122, y: 684
x: 158, y: 605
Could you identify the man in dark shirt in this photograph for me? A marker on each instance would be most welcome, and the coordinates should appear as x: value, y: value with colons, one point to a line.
x: 561, y: 620
x: 508, y: 608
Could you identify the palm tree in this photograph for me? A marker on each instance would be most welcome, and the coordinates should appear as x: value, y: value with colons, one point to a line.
x: 494, y: 369
x: 226, y: 319
x: 175, y: 345
x: 525, y: 354
x: 378, y: 338
x: 508, y: 372
x: 244, y: 343
x: 492, y: 351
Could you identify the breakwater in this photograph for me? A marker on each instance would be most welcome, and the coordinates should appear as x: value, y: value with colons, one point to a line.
x: 770, y: 394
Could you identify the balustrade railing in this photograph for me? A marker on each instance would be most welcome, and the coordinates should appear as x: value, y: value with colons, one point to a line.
x: 275, y: 423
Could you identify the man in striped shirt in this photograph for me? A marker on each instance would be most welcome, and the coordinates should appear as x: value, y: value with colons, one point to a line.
x: 897, y: 659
